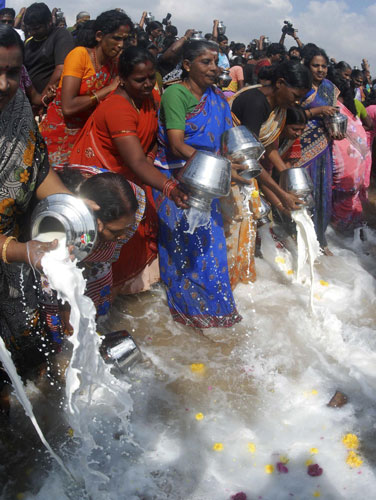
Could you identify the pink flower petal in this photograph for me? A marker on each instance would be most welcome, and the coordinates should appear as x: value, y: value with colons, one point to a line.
x: 314, y: 470
x: 239, y: 496
x: 282, y: 468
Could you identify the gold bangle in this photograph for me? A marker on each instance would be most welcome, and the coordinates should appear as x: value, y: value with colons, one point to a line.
x: 5, y: 246
x: 94, y: 97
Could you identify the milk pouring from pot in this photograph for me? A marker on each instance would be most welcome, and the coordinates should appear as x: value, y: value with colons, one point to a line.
x: 204, y: 177
x: 66, y: 214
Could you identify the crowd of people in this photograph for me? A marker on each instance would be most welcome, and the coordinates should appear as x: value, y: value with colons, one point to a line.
x: 110, y: 110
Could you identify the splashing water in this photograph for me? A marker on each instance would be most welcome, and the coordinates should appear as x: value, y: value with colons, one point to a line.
x: 92, y: 392
x: 19, y: 389
x: 214, y: 415
x: 196, y: 218
x: 308, y: 246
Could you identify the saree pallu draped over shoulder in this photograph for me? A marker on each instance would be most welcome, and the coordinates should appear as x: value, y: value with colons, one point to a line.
x: 240, y: 210
x: 194, y: 266
x: 317, y: 157
x: 23, y: 167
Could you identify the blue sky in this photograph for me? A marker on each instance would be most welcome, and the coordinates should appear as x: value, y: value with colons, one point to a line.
x: 344, y: 28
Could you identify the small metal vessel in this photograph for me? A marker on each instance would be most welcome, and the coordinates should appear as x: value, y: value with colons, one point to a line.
x: 221, y: 28
x: 66, y: 213
x: 239, y: 145
x: 204, y: 177
x: 263, y: 213
x: 197, y: 35
x: 296, y: 180
x: 149, y: 18
x: 224, y: 79
x: 120, y: 350
x: 336, y: 124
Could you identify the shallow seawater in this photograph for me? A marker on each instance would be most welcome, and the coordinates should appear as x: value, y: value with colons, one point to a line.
x: 215, y: 411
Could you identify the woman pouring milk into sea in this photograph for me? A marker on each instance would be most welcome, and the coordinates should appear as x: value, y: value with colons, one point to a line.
x: 193, y: 267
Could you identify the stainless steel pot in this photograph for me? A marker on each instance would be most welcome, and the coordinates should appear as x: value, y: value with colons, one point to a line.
x: 239, y: 145
x: 239, y: 142
x: 149, y: 18
x: 296, y: 180
x: 197, y: 35
x: 253, y: 169
x: 264, y: 211
x: 204, y: 177
x: 309, y: 201
x: 224, y: 79
x: 336, y: 124
x: 66, y: 213
x: 120, y: 350
x: 221, y: 28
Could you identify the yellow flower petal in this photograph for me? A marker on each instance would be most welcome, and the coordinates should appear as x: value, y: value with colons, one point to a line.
x: 218, y: 447
x: 198, y: 367
x: 290, y: 271
x: 70, y: 432
x: 324, y: 283
x: 280, y: 260
x: 309, y: 462
x: 199, y: 416
x: 353, y: 459
x: 269, y: 469
x: 314, y: 392
x: 251, y: 447
x: 255, y: 194
x: 283, y: 459
x: 350, y: 441
x: 314, y: 451
x: 316, y: 494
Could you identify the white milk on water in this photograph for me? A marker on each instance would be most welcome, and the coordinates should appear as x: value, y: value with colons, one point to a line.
x: 239, y: 409
x: 94, y: 396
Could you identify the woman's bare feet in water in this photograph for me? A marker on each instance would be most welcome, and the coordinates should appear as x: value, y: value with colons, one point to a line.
x: 327, y: 252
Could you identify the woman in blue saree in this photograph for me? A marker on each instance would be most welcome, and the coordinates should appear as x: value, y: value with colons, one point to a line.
x: 193, y: 267
x: 315, y: 142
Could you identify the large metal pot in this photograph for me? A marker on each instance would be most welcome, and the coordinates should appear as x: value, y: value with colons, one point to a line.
x: 66, y: 213
x: 296, y: 180
x: 120, y: 350
x: 336, y: 124
x: 239, y: 145
x: 204, y: 177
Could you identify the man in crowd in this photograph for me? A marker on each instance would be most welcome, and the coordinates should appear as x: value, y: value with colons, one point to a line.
x: 81, y: 17
x: 8, y: 16
x: 46, y: 48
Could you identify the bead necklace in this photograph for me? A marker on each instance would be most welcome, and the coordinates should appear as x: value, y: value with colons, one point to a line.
x: 96, y: 66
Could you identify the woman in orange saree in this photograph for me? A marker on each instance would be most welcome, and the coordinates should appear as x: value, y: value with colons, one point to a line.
x: 89, y: 75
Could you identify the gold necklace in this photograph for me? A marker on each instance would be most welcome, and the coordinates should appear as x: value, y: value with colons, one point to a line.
x: 134, y: 104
